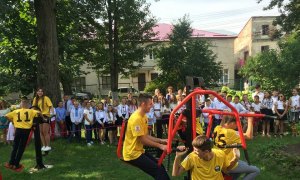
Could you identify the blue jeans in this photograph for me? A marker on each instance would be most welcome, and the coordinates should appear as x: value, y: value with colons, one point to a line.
x: 296, y: 115
x: 75, y: 129
x: 251, y: 171
x: 88, y: 133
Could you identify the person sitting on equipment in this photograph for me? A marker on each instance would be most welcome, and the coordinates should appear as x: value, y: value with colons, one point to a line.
x: 204, y: 162
x: 226, y: 134
x: 136, y: 136
x: 23, y: 120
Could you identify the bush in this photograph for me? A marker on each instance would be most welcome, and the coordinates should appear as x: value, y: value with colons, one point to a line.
x: 156, y: 84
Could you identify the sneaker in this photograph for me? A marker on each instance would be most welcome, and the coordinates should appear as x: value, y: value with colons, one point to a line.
x: 43, y: 148
x: 47, y: 148
x: 284, y: 134
x: 88, y: 144
x: 92, y: 142
x: 102, y: 143
x: 296, y: 136
x: 210, y: 139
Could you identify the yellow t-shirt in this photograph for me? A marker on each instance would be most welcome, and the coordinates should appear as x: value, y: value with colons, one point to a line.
x: 199, y: 127
x: 203, y: 170
x: 137, y: 126
x: 22, y: 118
x: 223, y: 137
x: 47, y: 105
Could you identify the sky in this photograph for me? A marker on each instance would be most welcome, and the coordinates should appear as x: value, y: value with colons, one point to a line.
x: 223, y: 16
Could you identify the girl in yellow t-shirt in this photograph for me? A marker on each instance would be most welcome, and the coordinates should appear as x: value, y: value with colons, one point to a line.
x: 45, y: 104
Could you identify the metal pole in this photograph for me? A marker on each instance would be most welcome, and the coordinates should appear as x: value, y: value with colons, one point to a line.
x: 37, y: 141
x: 189, y: 130
x: 159, y: 135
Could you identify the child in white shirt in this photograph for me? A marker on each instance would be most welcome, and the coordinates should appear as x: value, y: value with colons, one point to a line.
x: 88, y: 122
x: 150, y: 116
x: 256, y: 106
x: 110, y: 120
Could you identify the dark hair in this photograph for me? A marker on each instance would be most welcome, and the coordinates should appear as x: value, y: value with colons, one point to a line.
x: 256, y: 96
x: 59, y: 102
x: 237, y: 97
x: 73, y: 97
x: 143, y: 98
x: 225, y: 92
x: 37, y: 98
x: 135, y: 101
x: 296, y: 89
x: 155, y: 96
x: 257, y: 86
x: 4, y: 107
x: 202, y: 142
x: 24, y: 97
x: 85, y: 99
x: 269, y: 92
x: 165, y: 103
x: 207, y: 100
x: 229, y: 119
x: 66, y: 95
x: 174, y: 100
x: 229, y: 96
x: 283, y: 96
x: 92, y: 101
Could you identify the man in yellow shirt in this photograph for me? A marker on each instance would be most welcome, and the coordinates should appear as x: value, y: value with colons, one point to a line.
x: 23, y: 120
x: 204, y: 162
x: 136, y: 136
x: 226, y: 134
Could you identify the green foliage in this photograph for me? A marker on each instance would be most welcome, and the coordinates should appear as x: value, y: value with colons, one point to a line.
x: 130, y: 50
x: 289, y: 20
x: 225, y: 88
x: 276, y: 69
x: 185, y: 56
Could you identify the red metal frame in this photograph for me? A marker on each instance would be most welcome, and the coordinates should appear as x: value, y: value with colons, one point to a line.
x: 172, y: 131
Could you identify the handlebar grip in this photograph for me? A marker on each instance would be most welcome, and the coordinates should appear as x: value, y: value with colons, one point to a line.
x: 272, y: 117
x: 247, y: 157
x: 168, y: 161
x: 232, y: 146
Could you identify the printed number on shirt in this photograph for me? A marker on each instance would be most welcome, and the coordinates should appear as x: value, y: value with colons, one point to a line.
x: 19, y: 119
x: 137, y: 128
x: 220, y: 142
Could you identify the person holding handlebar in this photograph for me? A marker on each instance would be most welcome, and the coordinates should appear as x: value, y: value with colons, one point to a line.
x: 136, y: 136
x: 204, y: 162
x: 226, y: 134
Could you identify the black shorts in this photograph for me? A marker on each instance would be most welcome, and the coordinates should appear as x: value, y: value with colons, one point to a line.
x: 266, y: 112
x: 46, y: 117
x: 109, y: 126
x: 281, y: 111
x: 165, y: 119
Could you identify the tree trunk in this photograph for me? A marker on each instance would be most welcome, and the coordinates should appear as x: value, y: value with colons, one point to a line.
x: 67, y: 88
x: 113, y: 63
x: 116, y: 52
x: 47, y: 49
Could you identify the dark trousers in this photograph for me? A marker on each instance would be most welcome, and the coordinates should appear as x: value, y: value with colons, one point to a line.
x: 147, y: 163
x: 95, y: 131
x: 21, y: 137
x: 68, y: 124
x: 75, y: 129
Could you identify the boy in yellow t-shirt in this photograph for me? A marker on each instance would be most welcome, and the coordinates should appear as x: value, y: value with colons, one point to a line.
x: 22, y: 119
x: 225, y: 134
x: 136, y: 136
x: 204, y: 162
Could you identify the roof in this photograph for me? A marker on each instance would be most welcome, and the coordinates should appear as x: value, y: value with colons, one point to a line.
x: 165, y: 29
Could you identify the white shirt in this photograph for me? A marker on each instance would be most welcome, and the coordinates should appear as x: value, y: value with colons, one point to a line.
x: 295, y: 102
x: 163, y: 108
x: 268, y: 103
x: 200, y: 98
x: 280, y: 105
x: 172, y: 106
x: 260, y: 95
x: 123, y: 109
x: 53, y: 118
x: 240, y: 108
x: 78, y: 118
x: 133, y: 109
x: 109, y: 119
x: 69, y: 103
x: 89, y: 114
x: 100, y: 116
x: 204, y: 116
x: 150, y: 114
x: 256, y: 107
x: 218, y: 105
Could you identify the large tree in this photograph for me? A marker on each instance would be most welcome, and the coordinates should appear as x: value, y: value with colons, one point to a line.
x: 127, y: 25
x: 276, y: 69
x: 184, y: 56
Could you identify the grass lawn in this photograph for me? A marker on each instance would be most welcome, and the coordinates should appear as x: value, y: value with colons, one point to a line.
x: 77, y: 161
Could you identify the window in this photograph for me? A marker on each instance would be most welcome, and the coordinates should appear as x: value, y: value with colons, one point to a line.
x: 224, y: 77
x: 154, y: 76
x: 151, y: 55
x: 264, y: 48
x: 80, y: 83
x: 124, y: 90
x: 265, y: 29
x: 106, y: 80
x: 134, y: 91
x: 246, y: 55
